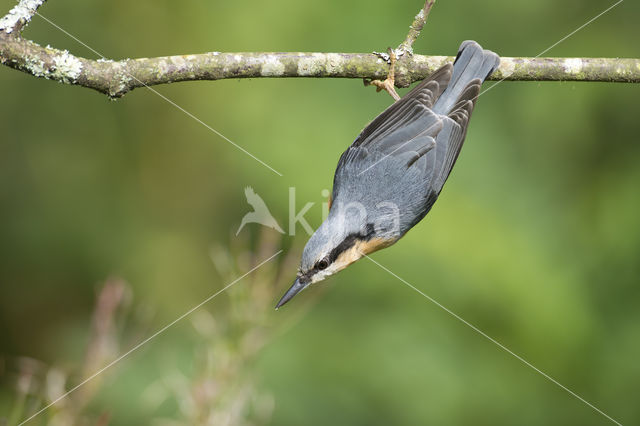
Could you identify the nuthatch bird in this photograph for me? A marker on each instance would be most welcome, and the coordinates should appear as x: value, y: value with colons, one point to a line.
x: 391, y: 175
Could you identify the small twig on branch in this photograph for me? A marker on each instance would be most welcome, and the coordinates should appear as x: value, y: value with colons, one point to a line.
x: 116, y: 78
x: 414, y: 30
x: 389, y: 83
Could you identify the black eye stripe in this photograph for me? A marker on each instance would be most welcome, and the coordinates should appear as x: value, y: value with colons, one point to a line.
x: 345, y: 245
x: 350, y: 241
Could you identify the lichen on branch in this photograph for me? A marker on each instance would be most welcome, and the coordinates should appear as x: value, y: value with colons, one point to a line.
x: 19, y: 16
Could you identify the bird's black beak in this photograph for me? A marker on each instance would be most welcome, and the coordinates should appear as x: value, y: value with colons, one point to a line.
x: 296, y: 288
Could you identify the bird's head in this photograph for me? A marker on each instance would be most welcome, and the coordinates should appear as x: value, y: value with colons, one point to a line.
x: 343, y: 238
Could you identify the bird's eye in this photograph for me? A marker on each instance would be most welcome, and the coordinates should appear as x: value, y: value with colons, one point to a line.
x: 323, y: 264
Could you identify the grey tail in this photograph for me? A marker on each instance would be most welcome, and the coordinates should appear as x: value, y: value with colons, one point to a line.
x: 472, y: 63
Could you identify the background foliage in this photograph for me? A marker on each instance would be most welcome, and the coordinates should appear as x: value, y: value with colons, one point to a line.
x: 535, y: 240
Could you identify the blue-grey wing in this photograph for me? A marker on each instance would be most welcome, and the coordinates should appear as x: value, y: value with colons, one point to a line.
x: 407, y: 128
x: 450, y: 139
x: 428, y: 125
x: 413, y: 144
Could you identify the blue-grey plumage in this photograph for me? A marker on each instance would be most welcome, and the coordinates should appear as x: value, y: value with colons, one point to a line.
x: 391, y: 175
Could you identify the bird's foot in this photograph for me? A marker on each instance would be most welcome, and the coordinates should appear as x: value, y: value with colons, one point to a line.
x: 387, y: 84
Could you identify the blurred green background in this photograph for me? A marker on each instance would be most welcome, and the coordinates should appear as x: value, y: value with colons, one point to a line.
x: 535, y: 240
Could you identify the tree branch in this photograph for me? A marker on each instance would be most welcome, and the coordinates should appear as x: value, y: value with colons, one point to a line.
x: 116, y: 78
